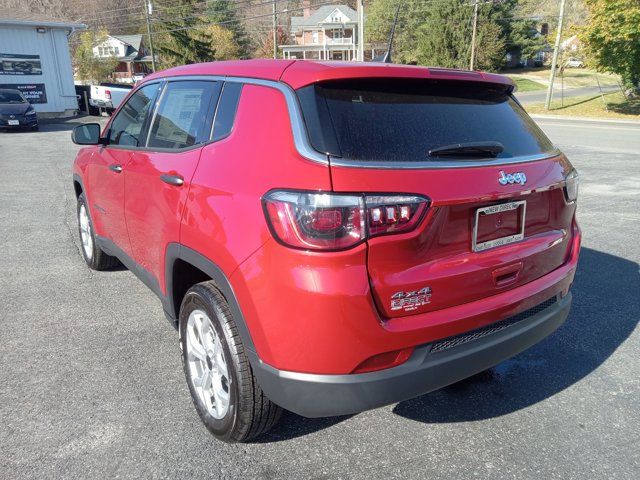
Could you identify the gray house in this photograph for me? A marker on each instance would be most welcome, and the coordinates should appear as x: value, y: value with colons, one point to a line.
x: 35, y: 59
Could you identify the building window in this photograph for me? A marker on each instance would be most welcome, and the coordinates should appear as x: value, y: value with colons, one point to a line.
x: 108, y: 51
x: 315, y: 37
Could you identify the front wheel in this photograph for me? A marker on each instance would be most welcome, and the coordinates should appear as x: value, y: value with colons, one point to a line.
x: 223, y: 388
x: 94, y: 256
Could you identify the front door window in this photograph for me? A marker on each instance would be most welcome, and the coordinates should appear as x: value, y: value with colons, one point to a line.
x: 128, y: 127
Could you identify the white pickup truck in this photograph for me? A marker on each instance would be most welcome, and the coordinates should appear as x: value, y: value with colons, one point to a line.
x: 108, y: 96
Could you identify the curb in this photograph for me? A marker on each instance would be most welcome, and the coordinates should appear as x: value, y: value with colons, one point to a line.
x: 584, y: 119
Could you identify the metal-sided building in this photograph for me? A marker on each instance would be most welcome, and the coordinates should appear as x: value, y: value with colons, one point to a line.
x: 35, y: 59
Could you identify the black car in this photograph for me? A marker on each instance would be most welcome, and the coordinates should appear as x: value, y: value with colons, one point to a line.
x: 15, y: 111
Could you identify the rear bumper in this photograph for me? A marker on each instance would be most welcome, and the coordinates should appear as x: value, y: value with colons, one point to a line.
x: 312, y: 395
x: 100, y: 103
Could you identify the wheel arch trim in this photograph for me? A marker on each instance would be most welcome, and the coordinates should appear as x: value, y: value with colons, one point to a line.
x: 78, y: 179
x: 176, y: 251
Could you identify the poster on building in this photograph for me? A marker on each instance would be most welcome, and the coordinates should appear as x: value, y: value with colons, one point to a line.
x: 33, y: 92
x: 16, y: 64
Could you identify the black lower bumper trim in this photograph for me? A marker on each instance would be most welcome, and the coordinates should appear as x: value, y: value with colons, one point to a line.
x: 313, y: 395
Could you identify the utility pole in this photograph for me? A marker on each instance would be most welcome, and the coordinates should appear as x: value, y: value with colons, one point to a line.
x: 148, y: 11
x: 361, y: 30
x: 554, y: 62
x: 275, y: 31
x: 473, y: 35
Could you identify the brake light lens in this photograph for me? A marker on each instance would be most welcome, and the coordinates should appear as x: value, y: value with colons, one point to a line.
x: 327, y: 221
x: 571, y: 184
x: 107, y: 94
x: 394, y: 213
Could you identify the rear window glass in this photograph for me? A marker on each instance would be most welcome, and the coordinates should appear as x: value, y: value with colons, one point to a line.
x: 402, y: 120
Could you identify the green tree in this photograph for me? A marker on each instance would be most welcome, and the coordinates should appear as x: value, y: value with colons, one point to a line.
x: 612, y: 38
x: 380, y: 17
x: 221, y: 43
x: 444, y: 38
x: 90, y: 68
x: 225, y: 14
x: 181, y: 37
x: 522, y: 38
x: 438, y: 32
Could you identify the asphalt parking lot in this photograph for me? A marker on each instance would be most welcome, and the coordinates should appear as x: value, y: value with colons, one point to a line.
x: 91, y: 384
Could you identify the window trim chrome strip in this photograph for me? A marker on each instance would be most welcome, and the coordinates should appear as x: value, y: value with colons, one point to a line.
x: 434, y: 165
x: 304, y: 148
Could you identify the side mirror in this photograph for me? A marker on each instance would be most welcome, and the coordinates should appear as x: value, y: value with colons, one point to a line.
x: 87, y: 134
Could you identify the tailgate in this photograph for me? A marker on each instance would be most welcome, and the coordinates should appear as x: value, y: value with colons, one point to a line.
x: 436, y: 266
x: 497, y: 216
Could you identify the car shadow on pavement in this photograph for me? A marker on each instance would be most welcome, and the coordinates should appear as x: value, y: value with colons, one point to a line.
x: 604, y: 313
x: 293, y: 426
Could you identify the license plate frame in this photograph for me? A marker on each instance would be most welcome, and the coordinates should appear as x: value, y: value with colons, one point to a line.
x: 14, y: 123
x: 499, y: 242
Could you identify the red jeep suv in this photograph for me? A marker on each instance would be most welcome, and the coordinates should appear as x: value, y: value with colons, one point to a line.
x: 331, y: 237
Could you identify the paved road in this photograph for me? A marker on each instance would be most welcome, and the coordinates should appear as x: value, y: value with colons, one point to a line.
x: 539, y: 96
x: 92, y: 387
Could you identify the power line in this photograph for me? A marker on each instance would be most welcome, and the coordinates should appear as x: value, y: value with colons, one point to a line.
x: 226, y: 22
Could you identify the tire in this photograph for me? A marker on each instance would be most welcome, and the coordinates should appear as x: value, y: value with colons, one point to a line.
x: 236, y: 410
x: 94, y: 256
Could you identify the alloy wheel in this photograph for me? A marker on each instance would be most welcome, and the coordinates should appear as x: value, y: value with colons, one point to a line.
x: 207, y: 365
x: 85, y: 232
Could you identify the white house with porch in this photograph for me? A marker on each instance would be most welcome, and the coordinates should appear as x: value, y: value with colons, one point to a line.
x: 328, y: 33
x: 134, y: 61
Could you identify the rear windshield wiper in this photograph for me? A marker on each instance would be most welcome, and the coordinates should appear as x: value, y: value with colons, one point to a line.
x: 471, y: 149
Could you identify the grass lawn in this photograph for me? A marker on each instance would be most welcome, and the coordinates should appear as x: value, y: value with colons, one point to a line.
x: 573, y: 77
x: 526, y: 85
x: 617, y: 107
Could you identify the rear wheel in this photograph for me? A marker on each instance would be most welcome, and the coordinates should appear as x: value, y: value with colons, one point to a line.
x: 94, y: 256
x: 223, y: 388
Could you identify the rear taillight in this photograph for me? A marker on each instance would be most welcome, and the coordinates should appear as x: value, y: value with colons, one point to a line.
x: 393, y: 213
x: 107, y: 94
x: 327, y: 221
x: 571, y: 183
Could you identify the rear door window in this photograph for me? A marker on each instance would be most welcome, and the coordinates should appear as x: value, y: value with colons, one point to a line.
x: 403, y: 119
x: 185, y: 115
x: 227, y: 108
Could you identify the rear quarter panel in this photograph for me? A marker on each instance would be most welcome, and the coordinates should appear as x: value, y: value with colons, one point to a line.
x: 223, y: 219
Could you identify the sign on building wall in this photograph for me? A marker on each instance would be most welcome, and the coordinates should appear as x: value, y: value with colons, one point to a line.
x: 33, y: 92
x: 16, y: 64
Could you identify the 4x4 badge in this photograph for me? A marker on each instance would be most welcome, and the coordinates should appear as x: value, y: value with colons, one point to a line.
x: 511, y: 178
x: 410, y: 300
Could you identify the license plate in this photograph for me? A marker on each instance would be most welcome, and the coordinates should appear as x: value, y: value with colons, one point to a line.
x: 498, y: 225
x: 14, y: 122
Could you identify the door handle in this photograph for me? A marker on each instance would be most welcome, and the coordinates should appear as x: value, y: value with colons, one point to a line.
x: 175, y: 180
x: 115, y: 168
